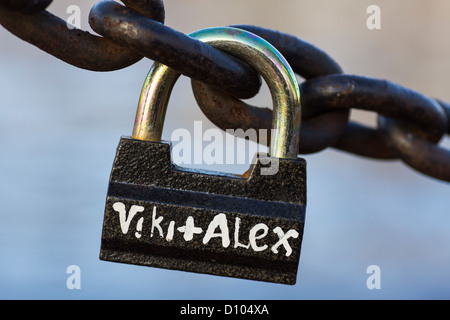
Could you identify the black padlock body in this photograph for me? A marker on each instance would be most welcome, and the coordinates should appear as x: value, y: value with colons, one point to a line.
x: 160, y: 215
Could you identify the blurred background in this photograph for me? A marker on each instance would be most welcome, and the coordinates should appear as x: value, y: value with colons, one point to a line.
x: 60, y: 126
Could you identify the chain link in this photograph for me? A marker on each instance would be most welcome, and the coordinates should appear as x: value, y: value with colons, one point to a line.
x: 410, y: 125
x: 74, y: 46
x: 188, y: 56
x: 25, y: 6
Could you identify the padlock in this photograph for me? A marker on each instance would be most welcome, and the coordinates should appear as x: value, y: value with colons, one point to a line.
x: 245, y: 226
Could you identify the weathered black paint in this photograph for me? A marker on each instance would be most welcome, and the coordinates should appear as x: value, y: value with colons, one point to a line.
x: 143, y: 174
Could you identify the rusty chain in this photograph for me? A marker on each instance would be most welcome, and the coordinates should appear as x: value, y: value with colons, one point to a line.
x: 409, y: 127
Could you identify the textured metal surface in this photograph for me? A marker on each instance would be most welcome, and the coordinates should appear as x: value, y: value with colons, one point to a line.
x: 305, y: 59
x: 188, y: 56
x: 415, y: 150
x: 258, y: 53
x: 317, y: 132
x: 320, y: 127
x: 446, y: 107
x: 74, y: 46
x: 150, y: 8
x: 427, y: 119
x: 269, y: 206
x: 381, y: 96
x: 25, y: 6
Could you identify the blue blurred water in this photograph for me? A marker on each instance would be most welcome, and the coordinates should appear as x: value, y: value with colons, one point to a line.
x: 59, y: 128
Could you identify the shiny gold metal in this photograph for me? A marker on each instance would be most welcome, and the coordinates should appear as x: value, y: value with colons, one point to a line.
x: 258, y: 53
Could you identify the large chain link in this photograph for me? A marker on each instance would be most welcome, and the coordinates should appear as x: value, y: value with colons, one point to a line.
x: 410, y: 125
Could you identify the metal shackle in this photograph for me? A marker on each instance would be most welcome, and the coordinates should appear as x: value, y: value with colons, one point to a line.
x: 253, y: 50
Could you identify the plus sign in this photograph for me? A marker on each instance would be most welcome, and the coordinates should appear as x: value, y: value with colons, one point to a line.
x: 189, y: 229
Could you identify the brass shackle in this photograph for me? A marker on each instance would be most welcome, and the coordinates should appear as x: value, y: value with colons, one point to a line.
x: 253, y: 50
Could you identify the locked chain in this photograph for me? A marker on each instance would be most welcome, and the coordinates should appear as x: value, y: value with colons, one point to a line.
x: 409, y: 127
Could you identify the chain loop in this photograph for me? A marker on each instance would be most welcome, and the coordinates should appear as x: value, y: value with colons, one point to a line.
x: 74, y: 46
x: 322, y: 95
x: 25, y: 6
x: 186, y: 55
x: 319, y: 129
x: 416, y: 151
x: 380, y: 96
